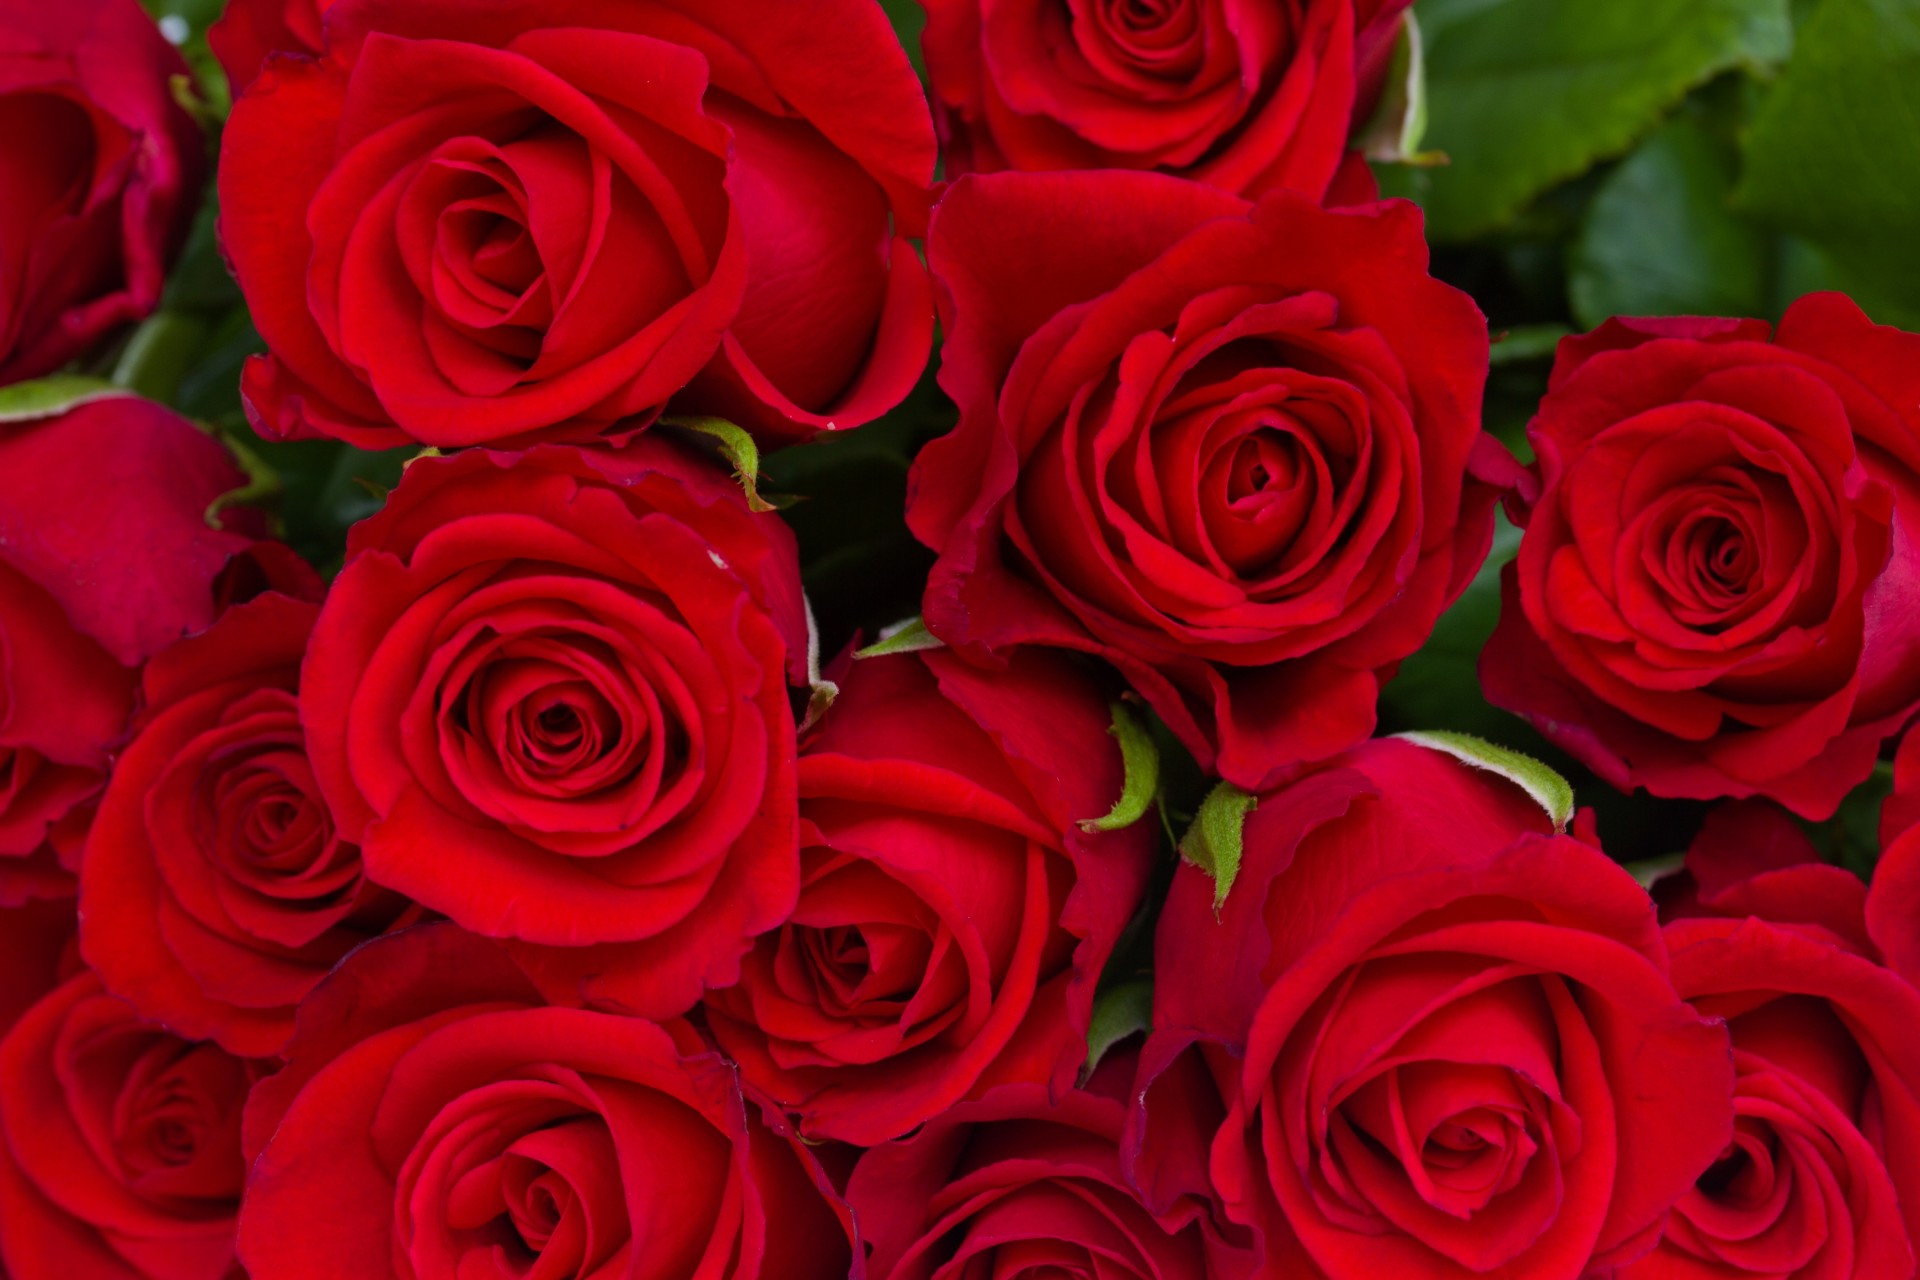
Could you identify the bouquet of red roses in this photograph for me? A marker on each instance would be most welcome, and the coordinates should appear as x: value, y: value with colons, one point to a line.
x: 960, y: 640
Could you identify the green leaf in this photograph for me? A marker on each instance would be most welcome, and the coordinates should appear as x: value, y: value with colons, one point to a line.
x: 1118, y: 1012
x: 1651, y: 871
x: 1661, y: 237
x: 1142, y: 781
x: 1213, y: 842
x: 1400, y: 121
x: 158, y: 356
x: 1525, y: 94
x: 52, y: 396
x: 1834, y: 152
x: 1551, y: 791
x: 740, y: 451
x: 910, y: 636
x: 1527, y: 342
x: 1851, y: 837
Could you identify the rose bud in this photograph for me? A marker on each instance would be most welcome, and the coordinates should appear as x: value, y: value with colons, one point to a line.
x: 1716, y: 589
x: 489, y: 225
x: 1444, y: 1038
x: 1233, y: 450
x: 102, y: 176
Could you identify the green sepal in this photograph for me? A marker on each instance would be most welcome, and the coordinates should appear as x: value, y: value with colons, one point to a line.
x: 910, y: 636
x: 740, y: 451
x: 52, y: 396
x: 1213, y: 842
x: 1142, y: 783
x: 1399, y: 123
x: 1122, y: 1010
x: 1548, y: 789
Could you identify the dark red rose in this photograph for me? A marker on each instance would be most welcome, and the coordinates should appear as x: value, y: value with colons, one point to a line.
x: 119, y: 1145
x: 1021, y: 1185
x: 1245, y: 95
x: 1822, y: 1177
x: 953, y: 915
x: 1233, y: 450
x: 100, y: 173
x: 435, y: 1123
x: 547, y: 697
x: 1718, y: 592
x: 1893, y: 906
x: 1445, y: 1036
x: 106, y: 556
x: 485, y: 224
x: 215, y: 891
x: 248, y: 32
x: 36, y: 952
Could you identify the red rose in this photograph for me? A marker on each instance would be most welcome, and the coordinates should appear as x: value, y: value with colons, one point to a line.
x: 546, y: 698
x: 215, y: 891
x: 102, y: 176
x: 106, y: 556
x: 1822, y: 1177
x: 1021, y: 1186
x: 1225, y: 448
x: 119, y: 1145
x: 1718, y: 588
x: 1246, y: 95
x: 1893, y: 908
x: 36, y: 951
x: 481, y: 224
x: 953, y: 915
x: 434, y: 1123
x: 249, y: 31
x: 1446, y: 1037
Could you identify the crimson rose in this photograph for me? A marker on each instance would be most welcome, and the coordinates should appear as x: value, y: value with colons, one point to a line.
x: 547, y: 697
x: 1247, y: 95
x: 106, y: 556
x: 215, y: 891
x: 100, y: 173
x: 119, y: 1145
x: 1445, y: 1037
x: 474, y: 224
x: 249, y: 31
x: 953, y: 915
x: 433, y: 1122
x: 1822, y: 1177
x: 1718, y: 591
x: 1234, y: 450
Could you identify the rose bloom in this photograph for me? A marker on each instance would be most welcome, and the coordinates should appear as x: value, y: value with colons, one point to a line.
x: 1233, y: 450
x: 100, y: 173
x: 248, y: 32
x: 547, y: 696
x: 119, y: 1145
x: 1245, y: 95
x: 1894, y: 906
x: 106, y: 556
x: 36, y: 952
x: 484, y: 224
x: 953, y: 915
x: 215, y: 891
x: 1445, y: 1038
x: 1822, y: 1177
x: 1021, y: 1185
x: 1718, y: 589
x: 454, y: 1129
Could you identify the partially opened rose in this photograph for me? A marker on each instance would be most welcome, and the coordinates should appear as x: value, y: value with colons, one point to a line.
x: 1446, y: 1038
x: 1246, y: 95
x: 1234, y: 450
x: 119, y: 1145
x: 435, y: 1123
x: 953, y: 915
x: 1718, y: 588
x: 488, y: 223
x: 1822, y: 1177
x: 215, y: 891
x: 548, y: 697
x: 102, y: 171
x: 106, y: 557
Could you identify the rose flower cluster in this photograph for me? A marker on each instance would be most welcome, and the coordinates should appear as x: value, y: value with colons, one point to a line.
x: 530, y: 886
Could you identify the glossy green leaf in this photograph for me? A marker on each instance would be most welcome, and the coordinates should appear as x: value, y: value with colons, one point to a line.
x: 1142, y: 783
x: 1213, y: 842
x: 1834, y: 152
x: 1525, y: 94
x: 1661, y: 237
